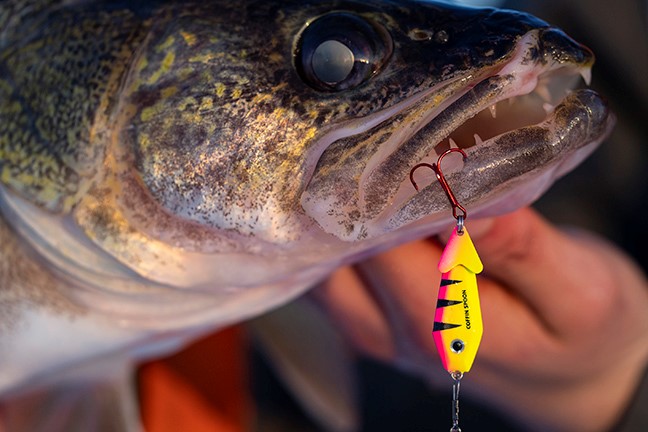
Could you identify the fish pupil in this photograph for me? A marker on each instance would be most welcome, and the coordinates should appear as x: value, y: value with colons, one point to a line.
x: 332, y: 61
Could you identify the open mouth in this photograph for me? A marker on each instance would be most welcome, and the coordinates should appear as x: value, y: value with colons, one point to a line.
x: 518, y: 95
x: 521, y: 123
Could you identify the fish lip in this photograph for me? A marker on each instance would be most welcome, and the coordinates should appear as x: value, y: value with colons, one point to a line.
x: 533, y: 59
x: 567, y: 136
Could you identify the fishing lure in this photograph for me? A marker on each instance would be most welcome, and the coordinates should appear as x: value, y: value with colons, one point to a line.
x: 458, y: 326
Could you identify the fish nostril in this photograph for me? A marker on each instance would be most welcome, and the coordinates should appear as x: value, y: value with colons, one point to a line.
x: 420, y: 35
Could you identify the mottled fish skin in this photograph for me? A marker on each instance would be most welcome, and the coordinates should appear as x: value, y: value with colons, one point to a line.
x: 60, y: 76
x: 162, y: 158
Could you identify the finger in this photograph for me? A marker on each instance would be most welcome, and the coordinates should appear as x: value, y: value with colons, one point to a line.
x: 547, y: 269
x: 346, y: 300
x: 404, y: 281
x: 514, y: 340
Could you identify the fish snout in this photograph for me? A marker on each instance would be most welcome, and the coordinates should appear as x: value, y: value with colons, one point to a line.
x: 556, y: 46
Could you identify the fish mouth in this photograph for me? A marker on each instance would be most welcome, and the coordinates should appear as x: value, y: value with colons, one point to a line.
x: 520, y: 122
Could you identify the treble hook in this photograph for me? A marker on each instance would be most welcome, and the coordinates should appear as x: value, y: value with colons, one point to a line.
x: 444, y: 184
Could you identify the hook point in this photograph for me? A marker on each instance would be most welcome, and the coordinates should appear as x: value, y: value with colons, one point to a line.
x: 444, y: 183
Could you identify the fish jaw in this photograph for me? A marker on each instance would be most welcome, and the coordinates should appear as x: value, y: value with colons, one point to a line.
x: 510, y: 167
x: 515, y: 168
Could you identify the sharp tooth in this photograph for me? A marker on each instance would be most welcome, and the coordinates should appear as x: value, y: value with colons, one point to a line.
x: 453, y: 144
x: 543, y: 91
x: 493, y: 110
x: 478, y: 140
x: 547, y: 107
x: 586, y: 73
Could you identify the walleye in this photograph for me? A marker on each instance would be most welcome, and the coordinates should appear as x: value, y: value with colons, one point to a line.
x: 171, y: 167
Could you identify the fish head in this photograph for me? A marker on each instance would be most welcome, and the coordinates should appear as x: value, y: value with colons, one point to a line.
x: 348, y: 97
x: 244, y: 150
x: 498, y: 84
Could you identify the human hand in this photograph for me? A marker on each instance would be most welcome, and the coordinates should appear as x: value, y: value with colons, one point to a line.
x: 565, y: 320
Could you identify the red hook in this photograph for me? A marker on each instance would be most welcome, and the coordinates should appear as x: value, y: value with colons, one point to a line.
x: 444, y: 184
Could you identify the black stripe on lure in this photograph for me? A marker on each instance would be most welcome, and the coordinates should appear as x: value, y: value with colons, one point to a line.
x: 458, y: 326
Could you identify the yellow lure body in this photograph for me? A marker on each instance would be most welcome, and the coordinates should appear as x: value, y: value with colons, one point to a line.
x: 458, y: 326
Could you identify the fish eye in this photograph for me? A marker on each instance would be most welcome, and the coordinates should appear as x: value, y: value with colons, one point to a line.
x: 340, y: 51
